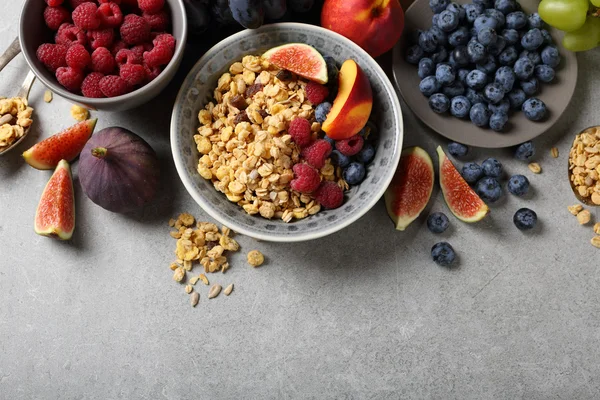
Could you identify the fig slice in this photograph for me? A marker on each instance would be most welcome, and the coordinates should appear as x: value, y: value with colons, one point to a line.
x: 55, y: 214
x: 410, y: 190
x: 299, y: 58
x: 462, y: 201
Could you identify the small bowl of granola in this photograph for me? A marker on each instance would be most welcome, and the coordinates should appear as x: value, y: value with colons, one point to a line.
x: 278, y: 153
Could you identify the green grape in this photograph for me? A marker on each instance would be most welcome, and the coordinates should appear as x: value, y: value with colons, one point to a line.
x: 584, y: 38
x: 596, y: 3
x: 566, y: 15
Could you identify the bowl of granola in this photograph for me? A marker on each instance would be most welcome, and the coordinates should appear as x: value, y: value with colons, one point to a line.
x: 238, y: 142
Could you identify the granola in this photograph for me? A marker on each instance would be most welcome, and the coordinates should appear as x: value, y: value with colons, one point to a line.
x: 15, y: 118
x: 584, y: 164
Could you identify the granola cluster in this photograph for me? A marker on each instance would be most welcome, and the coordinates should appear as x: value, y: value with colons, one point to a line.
x: 15, y: 118
x: 584, y: 164
x: 243, y: 141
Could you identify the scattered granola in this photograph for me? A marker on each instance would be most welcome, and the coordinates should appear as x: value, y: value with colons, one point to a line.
x: 596, y: 241
x: 554, y: 152
x: 79, y: 113
x: 188, y: 289
x: 194, y: 280
x: 597, y: 228
x: 584, y: 164
x: 15, y: 118
x: 194, y: 299
x: 48, y: 96
x: 228, y: 289
x: 179, y: 274
x: 255, y: 258
x: 574, y: 209
x: 203, y: 278
x: 535, y: 168
x: 584, y: 217
x: 214, y: 291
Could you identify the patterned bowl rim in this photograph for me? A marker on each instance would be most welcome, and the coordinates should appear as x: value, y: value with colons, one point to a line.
x: 300, y: 236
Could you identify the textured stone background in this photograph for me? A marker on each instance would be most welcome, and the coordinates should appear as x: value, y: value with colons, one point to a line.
x: 361, y: 314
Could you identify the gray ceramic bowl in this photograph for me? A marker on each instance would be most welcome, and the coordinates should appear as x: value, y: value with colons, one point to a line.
x: 196, y: 91
x: 33, y: 32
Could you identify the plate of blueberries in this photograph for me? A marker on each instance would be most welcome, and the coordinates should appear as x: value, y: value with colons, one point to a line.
x: 489, y: 73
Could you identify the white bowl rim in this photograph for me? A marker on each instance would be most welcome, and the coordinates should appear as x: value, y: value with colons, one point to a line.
x: 207, y: 207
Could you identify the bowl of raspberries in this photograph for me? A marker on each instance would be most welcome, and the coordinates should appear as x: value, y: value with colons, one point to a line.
x: 107, y: 55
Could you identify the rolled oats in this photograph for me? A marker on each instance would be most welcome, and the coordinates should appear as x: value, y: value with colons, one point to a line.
x: 584, y: 164
x: 554, y: 152
x: 15, y: 118
x: 203, y: 278
x: 535, y: 168
x: 47, y: 96
x: 597, y: 228
x: 179, y: 274
x: 584, y: 217
x: 596, y: 241
x: 188, y: 289
x: 575, y: 209
x: 79, y: 113
x: 255, y: 258
x: 227, y: 291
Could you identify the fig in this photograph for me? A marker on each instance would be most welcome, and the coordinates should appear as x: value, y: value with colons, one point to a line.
x: 301, y: 59
x: 118, y: 170
x: 65, y: 145
x: 464, y: 203
x: 410, y: 190
x: 55, y: 214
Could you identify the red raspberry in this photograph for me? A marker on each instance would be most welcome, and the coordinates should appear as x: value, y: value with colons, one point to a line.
x: 158, y: 22
x: 139, y: 51
x: 52, y: 55
x: 130, y: 4
x: 300, y: 132
x: 70, y: 78
x: 54, y: 3
x: 110, y: 14
x: 133, y: 74
x: 350, y: 146
x: 317, y: 153
x: 118, y: 45
x: 75, y: 3
x: 151, y: 72
x: 164, y: 39
x: 78, y: 57
x: 109, y: 1
x: 126, y: 56
x: 330, y: 195
x: 56, y: 16
x: 306, y: 178
x: 113, y: 85
x: 151, y: 6
x: 103, y: 61
x: 85, y: 16
x: 135, y: 29
x: 69, y: 34
x: 158, y: 56
x: 316, y: 93
x: 100, y: 38
x: 90, y: 87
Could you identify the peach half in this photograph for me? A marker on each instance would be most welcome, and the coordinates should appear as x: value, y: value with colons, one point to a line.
x: 352, y: 106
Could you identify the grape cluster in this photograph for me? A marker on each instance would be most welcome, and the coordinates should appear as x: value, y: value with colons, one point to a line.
x: 482, y: 60
x: 578, y: 18
x: 247, y: 13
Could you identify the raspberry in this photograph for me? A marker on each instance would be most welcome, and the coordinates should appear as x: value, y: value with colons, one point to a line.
x: 330, y: 195
x: 118, y: 45
x: 317, y: 153
x: 135, y: 29
x: 101, y: 38
x: 75, y: 3
x: 56, y: 16
x: 52, y: 55
x: 85, y: 16
x: 151, y: 72
x: 151, y: 6
x: 133, y: 74
x: 306, y: 178
x: 90, y: 87
x: 78, y: 57
x: 316, y: 93
x: 350, y: 146
x: 109, y: 1
x: 102, y: 61
x: 158, y: 56
x: 139, y: 51
x: 126, y: 56
x: 69, y: 34
x: 164, y: 39
x: 300, y: 132
x: 54, y: 3
x: 110, y: 14
x: 158, y: 22
x: 70, y: 78
x: 113, y: 85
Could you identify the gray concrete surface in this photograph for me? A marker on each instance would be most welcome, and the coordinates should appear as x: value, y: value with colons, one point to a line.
x: 362, y: 314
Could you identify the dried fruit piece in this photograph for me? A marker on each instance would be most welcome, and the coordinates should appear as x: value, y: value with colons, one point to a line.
x: 214, y: 291
x: 228, y: 290
x: 55, y: 214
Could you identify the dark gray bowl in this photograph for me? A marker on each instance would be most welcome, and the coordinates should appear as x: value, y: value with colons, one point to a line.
x: 33, y: 32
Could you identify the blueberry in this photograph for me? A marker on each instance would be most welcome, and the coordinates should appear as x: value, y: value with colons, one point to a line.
x: 462, y: 75
x: 321, y: 111
x: 544, y: 73
x: 508, y: 56
x: 366, y: 154
x: 445, y: 74
x: 534, y: 109
x: 525, y: 219
x: 443, y: 254
x: 493, y: 93
x: 426, y: 67
x: 489, y: 189
x: 476, y: 51
x: 535, y: 21
x: 534, y: 56
x: 485, y: 21
x: 511, y: 36
x: 484, y: 3
x: 550, y: 56
x: 546, y: 36
x: 497, y: 15
x: 525, y: 151
x: 439, y: 35
x: 437, y: 6
x: 505, y: 77
x: 516, y: 97
x: 439, y: 103
x: 437, y: 222
x: 354, y: 173
x: 523, y: 68
x: 429, y: 85
x: 471, y: 172
x: 448, y: 21
x: 502, y: 107
x: 332, y: 69
x: 428, y: 42
x: 498, y: 121
x: 492, y: 168
x: 479, y: 115
x: 458, y: 10
x: 487, y: 65
x: 496, y: 48
x: 459, y: 37
x: 330, y: 140
x: 440, y: 55
x: 434, y: 19
x: 460, y: 106
x: 487, y: 36
x: 516, y: 20
x: 530, y: 86
x: 532, y: 39
x: 461, y: 56
x: 505, y: 6
x: 472, y: 33
x: 414, y: 54
x: 476, y: 79
x: 472, y: 11
x: 454, y: 89
x: 339, y: 159
x: 474, y: 97
x: 457, y: 149
x: 518, y: 185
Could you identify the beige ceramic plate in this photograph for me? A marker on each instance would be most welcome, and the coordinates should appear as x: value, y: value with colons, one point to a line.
x: 556, y: 95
